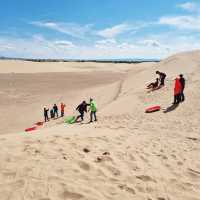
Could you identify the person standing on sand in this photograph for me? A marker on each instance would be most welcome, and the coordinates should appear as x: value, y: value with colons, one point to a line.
x: 177, y: 91
x: 55, y: 109
x: 46, y: 117
x: 62, y: 109
x: 182, y: 81
x: 162, y: 77
x: 93, y: 110
x: 82, y: 108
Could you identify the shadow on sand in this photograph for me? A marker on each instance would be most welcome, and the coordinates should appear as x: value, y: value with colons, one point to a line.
x: 171, y: 108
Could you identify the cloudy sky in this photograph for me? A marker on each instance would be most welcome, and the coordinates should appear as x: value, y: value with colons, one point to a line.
x: 98, y: 29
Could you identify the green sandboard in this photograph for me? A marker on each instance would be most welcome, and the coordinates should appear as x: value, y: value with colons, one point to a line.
x: 70, y: 120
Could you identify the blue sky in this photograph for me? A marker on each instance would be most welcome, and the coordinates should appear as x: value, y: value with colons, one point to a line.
x: 98, y: 29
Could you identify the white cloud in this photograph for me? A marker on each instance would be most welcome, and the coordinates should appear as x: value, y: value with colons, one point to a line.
x: 152, y: 43
x: 182, y: 22
x: 114, y: 31
x: 189, y: 6
x: 72, y: 29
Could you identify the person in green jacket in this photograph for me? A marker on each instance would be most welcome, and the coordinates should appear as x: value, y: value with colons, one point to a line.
x: 93, y: 110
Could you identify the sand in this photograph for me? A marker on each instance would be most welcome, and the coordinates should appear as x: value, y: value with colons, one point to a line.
x: 127, y: 154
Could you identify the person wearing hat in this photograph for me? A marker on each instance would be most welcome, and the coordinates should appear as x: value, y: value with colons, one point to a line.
x: 182, y: 81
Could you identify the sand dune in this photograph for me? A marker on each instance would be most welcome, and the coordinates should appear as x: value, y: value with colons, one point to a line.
x: 127, y: 154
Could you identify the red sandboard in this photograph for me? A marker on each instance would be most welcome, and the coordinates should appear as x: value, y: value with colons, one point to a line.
x: 31, y: 129
x: 153, y: 109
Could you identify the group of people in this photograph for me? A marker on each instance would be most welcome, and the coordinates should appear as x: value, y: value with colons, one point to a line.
x: 178, y: 88
x: 54, y: 112
x: 82, y: 108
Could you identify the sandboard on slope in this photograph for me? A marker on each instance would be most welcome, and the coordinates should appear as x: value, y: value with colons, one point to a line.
x: 152, y: 109
x: 31, y: 129
x: 70, y: 120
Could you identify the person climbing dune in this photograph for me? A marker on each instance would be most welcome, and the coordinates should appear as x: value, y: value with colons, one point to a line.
x: 82, y: 108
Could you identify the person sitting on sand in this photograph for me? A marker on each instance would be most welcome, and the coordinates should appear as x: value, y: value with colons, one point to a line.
x: 182, y: 81
x: 46, y: 117
x: 82, y: 108
x: 162, y: 77
x: 153, y: 85
x: 62, y: 109
x: 93, y: 110
x: 55, y: 109
x: 177, y: 91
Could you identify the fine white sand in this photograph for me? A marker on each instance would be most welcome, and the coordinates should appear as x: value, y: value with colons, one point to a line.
x: 127, y: 154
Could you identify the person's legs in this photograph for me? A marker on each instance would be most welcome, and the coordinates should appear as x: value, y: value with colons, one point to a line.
x: 95, y: 116
x: 62, y: 113
x: 150, y: 85
x: 91, y: 113
x: 57, y: 114
x: 82, y: 116
x: 162, y: 82
x: 182, y: 96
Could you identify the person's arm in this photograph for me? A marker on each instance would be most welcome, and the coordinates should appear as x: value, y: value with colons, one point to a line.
x: 77, y: 107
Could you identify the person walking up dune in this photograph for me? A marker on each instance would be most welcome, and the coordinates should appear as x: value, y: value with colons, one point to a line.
x: 82, y: 108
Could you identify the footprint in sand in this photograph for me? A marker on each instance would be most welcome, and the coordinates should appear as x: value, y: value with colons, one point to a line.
x: 195, y: 175
x: 83, y: 165
x: 127, y: 189
x: 145, y: 178
x: 71, y: 195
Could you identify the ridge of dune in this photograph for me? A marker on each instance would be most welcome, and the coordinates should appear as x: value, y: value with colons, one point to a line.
x: 127, y: 154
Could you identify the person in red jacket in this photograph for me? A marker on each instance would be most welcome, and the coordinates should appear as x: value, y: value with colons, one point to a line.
x: 62, y: 109
x: 177, y: 91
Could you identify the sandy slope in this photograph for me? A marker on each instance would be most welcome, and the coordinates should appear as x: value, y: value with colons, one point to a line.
x: 132, y: 155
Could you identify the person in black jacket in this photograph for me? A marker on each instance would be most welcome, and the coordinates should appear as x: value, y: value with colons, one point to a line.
x: 55, y: 110
x: 162, y: 77
x: 46, y: 117
x: 182, y: 81
x: 82, y: 108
